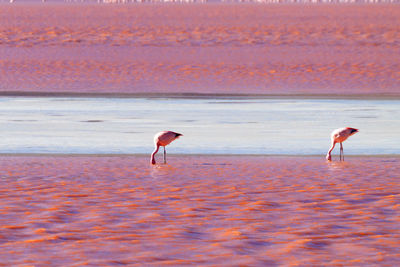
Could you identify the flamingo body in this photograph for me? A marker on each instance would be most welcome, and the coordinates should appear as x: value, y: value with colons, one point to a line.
x: 339, y: 136
x: 163, y: 139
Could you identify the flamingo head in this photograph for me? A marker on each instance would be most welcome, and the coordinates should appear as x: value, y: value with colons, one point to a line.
x: 352, y: 131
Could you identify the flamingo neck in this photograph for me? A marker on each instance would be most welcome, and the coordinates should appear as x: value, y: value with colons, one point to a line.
x: 153, y: 160
x: 328, y: 156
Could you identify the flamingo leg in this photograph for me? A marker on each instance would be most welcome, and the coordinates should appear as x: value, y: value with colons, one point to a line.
x: 341, y: 152
x: 165, y: 156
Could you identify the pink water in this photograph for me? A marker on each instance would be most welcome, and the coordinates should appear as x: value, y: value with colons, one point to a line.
x: 199, y: 210
x: 216, y: 48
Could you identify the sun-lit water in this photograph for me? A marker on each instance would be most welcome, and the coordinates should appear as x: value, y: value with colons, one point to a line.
x: 210, y: 126
x: 211, y: 48
x: 199, y: 210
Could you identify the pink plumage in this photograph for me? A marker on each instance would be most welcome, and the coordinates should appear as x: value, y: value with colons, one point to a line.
x: 339, y: 136
x: 163, y: 139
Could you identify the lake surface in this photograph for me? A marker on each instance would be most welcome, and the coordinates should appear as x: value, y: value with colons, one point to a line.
x: 199, y: 210
x: 191, y: 48
x: 213, y: 204
x: 210, y: 126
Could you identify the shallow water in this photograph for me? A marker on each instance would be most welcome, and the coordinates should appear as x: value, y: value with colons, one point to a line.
x: 199, y: 210
x: 210, y: 126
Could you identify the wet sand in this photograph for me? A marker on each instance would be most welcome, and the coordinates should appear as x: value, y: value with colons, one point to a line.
x: 199, y: 210
x: 211, y: 49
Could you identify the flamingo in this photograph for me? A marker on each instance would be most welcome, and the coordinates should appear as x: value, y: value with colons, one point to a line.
x: 163, y: 139
x: 339, y: 136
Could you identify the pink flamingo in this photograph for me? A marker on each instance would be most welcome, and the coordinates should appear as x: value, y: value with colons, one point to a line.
x: 339, y: 136
x: 163, y: 139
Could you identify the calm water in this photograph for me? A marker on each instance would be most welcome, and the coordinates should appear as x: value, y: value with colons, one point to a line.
x: 210, y: 126
x: 199, y: 210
